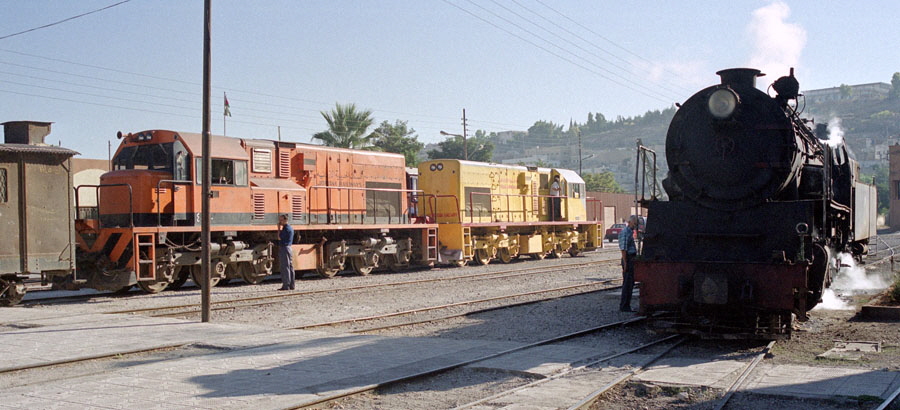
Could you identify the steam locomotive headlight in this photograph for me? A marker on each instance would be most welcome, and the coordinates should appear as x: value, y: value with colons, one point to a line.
x: 722, y: 103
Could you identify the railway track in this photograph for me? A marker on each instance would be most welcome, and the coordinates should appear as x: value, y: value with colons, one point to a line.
x: 584, y: 332
x: 460, y: 304
x: 187, y: 309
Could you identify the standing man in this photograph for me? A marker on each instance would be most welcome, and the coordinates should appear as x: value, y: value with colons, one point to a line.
x: 629, y: 251
x: 555, y: 201
x: 285, y: 255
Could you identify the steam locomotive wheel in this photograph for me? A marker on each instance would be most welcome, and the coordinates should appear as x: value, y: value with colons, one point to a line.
x: 13, y: 290
x: 360, y: 266
x: 196, y: 276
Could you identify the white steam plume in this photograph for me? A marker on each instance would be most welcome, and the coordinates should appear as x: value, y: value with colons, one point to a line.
x: 835, y: 132
x: 849, y: 279
x: 777, y: 44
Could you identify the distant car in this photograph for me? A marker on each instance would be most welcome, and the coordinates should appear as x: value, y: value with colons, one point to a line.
x: 613, y: 232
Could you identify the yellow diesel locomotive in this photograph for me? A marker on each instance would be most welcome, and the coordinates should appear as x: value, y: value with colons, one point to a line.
x: 487, y: 211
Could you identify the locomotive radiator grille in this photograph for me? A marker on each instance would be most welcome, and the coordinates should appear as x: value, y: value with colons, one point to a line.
x: 259, y: 206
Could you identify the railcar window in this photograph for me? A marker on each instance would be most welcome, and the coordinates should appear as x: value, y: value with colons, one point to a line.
x: 156, y: 157
x: 3, y: 197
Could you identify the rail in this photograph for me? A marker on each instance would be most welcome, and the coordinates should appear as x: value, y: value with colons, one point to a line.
x: 175, y: 183
x: 97, y: 200
x: 509, y: 212
x: 890, y: 248
x: 416, y: 193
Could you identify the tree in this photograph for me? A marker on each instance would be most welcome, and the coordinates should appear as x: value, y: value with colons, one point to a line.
x: 895, y: 87
x: 480, y: 148
x: 846, y: 92
x: 398, y: 138
x: 347, y: 127
x: 544, y: 131
x: 603, y: 182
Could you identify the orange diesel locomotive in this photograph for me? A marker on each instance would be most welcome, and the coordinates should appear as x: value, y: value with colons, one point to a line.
x: 347, y: 207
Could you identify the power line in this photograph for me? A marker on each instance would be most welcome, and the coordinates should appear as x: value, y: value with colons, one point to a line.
x: 579, y: 47
x: 633, y: 54
x: 545, y: 49
x: 64, y: 20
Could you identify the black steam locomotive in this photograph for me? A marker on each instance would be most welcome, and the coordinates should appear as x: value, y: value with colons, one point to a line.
x: 759, y: 208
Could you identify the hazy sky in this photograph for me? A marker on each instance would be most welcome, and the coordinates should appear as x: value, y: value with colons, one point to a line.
x: 138, y: 65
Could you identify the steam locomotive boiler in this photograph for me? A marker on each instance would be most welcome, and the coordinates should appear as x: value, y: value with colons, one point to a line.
x: 759, y: 208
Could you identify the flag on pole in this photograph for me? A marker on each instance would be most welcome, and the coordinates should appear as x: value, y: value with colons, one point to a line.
x: 227, y: 106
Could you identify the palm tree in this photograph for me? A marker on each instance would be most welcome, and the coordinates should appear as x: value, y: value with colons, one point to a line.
x: 347, y: 127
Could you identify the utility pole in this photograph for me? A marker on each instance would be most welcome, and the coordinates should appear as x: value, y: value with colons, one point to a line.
x: 206, y: 165
x: 580, y: 158
x: 465, y: 139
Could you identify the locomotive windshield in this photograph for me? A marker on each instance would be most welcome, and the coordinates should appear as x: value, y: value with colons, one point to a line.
x: 168, y: 157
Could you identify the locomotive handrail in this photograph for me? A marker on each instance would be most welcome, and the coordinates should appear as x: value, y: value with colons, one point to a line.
x: 158, y: 204
x: 434, y: 207
x: 508, y: 210
x: 328, y: 188
x: 97, y: 198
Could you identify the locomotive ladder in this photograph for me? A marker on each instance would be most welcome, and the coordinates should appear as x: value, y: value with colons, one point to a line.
x: 467, y: 242
x: 431, y: 245
x: 145, y: 248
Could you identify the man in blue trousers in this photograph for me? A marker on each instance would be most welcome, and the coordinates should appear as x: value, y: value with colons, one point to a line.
x: 285, y: 255
x: 629, y: 251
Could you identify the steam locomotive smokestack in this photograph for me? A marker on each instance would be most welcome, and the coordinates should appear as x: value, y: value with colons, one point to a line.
x: 740, y: 77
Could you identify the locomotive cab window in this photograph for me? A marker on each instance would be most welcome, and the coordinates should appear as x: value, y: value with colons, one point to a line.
x: 576, y: 190
x: 224, y: 172
x: 154, y: 157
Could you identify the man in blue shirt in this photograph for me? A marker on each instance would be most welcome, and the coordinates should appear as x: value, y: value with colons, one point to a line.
x: 629, y: 251
x: 285, y: 255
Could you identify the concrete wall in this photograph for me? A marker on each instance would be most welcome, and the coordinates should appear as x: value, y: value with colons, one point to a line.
x: 87, y: 172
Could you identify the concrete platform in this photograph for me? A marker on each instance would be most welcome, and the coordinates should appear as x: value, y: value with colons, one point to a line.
x: 264, y: 368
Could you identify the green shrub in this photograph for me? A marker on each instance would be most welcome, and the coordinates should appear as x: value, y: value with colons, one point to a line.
x: 894, y: 293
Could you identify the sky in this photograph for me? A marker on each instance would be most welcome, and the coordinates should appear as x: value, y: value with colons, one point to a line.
x: 508, y: 63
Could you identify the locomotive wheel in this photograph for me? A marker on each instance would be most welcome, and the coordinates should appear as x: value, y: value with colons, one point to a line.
x: 537, y: 256
x: 360, y: 267
x: 573, y: 251
x: 327, y: 272
x: 248, y: 274
x: 555, y: 253
x: 195, y: 276
x: 153, y: 286
x: 483, y: 257
x: 503, y: 254
x: 181, y: 277
x: 460, y: 263
x: 13, y: 290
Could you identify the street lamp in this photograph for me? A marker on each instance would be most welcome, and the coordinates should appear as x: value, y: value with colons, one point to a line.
x: 582, y: 159
x: 465, y: 144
